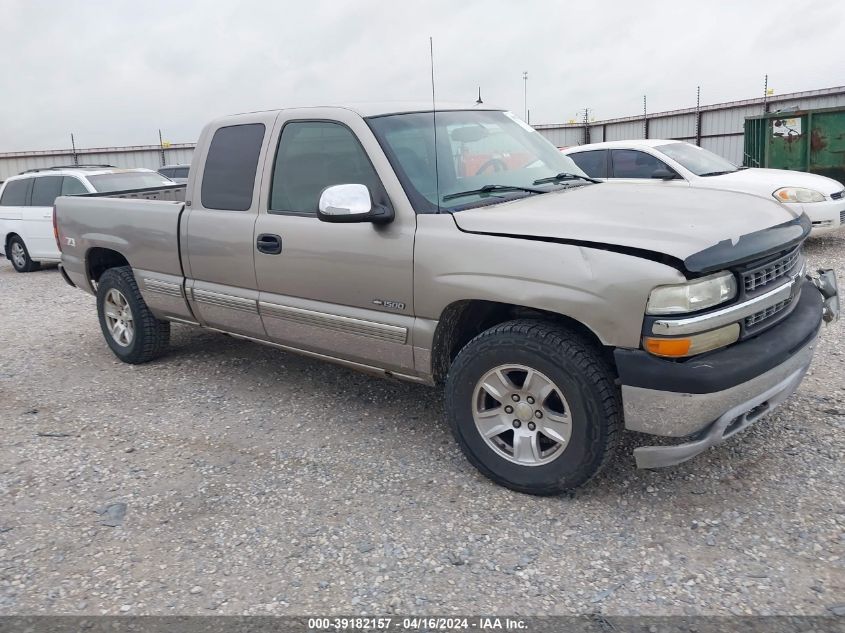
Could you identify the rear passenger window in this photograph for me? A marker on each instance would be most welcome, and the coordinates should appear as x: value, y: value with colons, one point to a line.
x: 229, y: 175
x: 45, y: 190
x: 15, y: 193
x: 72, y: 187
x: 629, y: 163
x: 311, y: 156
x: 592, y: 163
x: 180, y: 172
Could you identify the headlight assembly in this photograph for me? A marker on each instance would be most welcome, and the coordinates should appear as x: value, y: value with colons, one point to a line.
x: 697, y: 294
x: 798, y: 194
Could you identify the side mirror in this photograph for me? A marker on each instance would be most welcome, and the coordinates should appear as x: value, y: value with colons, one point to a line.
x: 665, y: 174
x: 351, y: 203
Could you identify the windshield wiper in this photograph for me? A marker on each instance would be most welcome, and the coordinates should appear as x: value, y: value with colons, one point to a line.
x: 490, y: 189
x: 564, y: 176
x: 718, y: 173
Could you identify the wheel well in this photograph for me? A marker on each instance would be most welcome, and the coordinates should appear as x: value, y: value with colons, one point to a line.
x: 464, y: 320
x: 99, y: 260
x: 6, y: 244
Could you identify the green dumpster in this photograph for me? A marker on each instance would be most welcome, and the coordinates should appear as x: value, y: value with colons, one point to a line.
x: 804, y: 140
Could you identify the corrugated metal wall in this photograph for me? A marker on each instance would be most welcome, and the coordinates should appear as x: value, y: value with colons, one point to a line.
x: 722, y: 124
x: 148, y: 156
x: 721, y: 132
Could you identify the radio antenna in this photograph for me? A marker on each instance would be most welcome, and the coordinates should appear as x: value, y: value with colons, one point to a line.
x: 434, y: 123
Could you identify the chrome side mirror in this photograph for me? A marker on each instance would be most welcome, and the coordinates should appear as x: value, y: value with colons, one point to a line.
x: 345, y: 200
x: 351, y: 203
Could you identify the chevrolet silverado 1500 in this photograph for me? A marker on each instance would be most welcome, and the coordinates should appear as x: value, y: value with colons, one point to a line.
x: 457, y: 247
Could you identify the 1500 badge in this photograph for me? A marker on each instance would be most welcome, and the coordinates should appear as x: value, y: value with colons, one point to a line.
x: 392, y: 305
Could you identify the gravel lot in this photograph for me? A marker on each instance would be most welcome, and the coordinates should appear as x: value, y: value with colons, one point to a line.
x: 260, y: 482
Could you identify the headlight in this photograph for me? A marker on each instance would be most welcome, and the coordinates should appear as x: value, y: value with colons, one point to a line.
x: 697, y: 294
x: 798, y: 194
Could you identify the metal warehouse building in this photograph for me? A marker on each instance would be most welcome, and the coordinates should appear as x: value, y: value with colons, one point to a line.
x: 150, y: 156
x: 718, y: 127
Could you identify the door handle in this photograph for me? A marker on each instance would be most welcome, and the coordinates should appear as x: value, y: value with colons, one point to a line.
x: 269, y: 243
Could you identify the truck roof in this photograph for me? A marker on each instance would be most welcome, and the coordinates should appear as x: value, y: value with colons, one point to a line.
x: 642, y: 142
x: 383, y: 108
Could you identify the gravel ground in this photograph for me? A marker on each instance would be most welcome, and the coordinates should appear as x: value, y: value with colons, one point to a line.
x: 228, y: 477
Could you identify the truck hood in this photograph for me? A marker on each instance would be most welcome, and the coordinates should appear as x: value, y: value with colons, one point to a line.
x: 766, y: 181
x: 678, y: 222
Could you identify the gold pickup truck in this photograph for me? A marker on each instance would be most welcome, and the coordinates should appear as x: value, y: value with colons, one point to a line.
x: 457, y: 247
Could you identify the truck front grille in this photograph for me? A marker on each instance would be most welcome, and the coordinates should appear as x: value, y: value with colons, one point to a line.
x: 762, y: 315
x: 756, y: 278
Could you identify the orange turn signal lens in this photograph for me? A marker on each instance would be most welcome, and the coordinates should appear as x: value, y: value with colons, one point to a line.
x: 691, y: 345
x: 674, y: 347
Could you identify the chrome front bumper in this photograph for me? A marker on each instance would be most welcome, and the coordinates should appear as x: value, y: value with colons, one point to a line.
x: 733, y: 409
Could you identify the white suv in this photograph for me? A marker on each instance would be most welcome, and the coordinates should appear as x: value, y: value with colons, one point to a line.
x: 26, y: 206
x: 679, y: 164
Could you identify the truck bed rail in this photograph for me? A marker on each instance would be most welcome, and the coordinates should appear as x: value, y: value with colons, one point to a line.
x: 176, y: 192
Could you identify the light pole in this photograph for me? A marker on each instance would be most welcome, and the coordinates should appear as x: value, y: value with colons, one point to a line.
x: 525, y: 93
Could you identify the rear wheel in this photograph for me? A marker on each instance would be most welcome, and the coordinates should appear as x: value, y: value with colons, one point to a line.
x: 534, y: 406
x: 18, y: 253
x: 131, y: 330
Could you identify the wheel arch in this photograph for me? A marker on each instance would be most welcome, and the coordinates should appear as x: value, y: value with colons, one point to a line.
x: 6, y: 240
x: 100, y: 259
x: 461, y: 321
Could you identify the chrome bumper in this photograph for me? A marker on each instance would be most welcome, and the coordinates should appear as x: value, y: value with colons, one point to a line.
x: 742, y: 410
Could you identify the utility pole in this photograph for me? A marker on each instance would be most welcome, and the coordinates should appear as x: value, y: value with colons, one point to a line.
x: 73, y: 149
x: 698, y: 116
x: 161, y: 148
x: 645, y: 118
x: 766, y: 94
x: 525, y: 93
x: 586, y: 121
x: 479, y: 101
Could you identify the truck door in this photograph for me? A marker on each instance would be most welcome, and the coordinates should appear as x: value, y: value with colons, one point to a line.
x: 340, y: 290
x: 220, y: 270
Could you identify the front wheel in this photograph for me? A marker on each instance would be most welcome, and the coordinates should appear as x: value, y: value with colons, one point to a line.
x: 131, y: 330
x: 534, y: 406
x: 18, y: 253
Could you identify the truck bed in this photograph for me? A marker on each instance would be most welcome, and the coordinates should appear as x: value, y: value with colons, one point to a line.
x: 171, y: 192
x: 143, y: 229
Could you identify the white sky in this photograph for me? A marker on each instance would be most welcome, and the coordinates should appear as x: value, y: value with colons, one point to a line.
x: 114, y: 71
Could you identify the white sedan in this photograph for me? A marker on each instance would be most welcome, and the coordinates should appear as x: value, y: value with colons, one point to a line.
x: 679, y: 164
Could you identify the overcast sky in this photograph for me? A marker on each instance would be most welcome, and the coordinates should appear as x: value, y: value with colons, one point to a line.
x: 114, y: 72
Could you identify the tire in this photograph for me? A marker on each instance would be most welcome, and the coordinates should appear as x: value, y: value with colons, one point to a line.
x: 582, y: 391
x: 19, y: 256
x: 142, y: 337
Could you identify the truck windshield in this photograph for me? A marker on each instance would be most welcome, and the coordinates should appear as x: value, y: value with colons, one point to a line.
x: 482, y: 157
x: 124, y: 180
x: 699, y: 161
